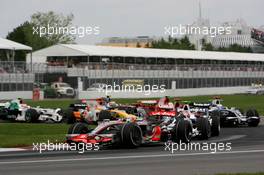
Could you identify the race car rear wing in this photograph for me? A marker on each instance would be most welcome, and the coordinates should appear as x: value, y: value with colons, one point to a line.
x: 202, y: 105
x: 78, y: 105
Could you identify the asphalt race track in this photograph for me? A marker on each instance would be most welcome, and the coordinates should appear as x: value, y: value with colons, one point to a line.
x: 247, y: 155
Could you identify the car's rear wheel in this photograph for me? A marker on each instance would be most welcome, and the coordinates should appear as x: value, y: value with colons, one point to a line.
x: 131, y: 135
x: 252, y: 113
x: 204, y: 128
x: 104, y: 115
x: 61, y: 113
x: 3, y: 113
x: 31, y: 116
x: 70, y: 119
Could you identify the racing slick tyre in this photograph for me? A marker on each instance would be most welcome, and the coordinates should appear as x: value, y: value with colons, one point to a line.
x: 78, y: 128
x: 252, y: 113
x: 204, y: 128
x: 31, y: 116
x: 131, y: 110
x: 3, y: 114
x: 69, y: 116
x: 215, y: 128
x: 182, y: 131
x: 63, y: 120
x: 14, y: 113
x: 131, y: 135
x: 104, y: 115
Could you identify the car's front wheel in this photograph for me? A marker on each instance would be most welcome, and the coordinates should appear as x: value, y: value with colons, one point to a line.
x: 78, y: 128
x: 215, y: 128
x: 182, y: 131
x: 131, y: 135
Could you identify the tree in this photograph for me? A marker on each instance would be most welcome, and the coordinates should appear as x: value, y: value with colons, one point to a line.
x: 19, y: 36
x: 207, y: 46
x: 53, y: 20
x: 235, y: 48
x: 26, y: 34
x: 239, y: 48
x: 173, y: 43
x: 185, y: 44
x: 231, y: 48
x: 147, y: 45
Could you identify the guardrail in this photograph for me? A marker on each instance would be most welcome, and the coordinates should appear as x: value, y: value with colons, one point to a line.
x: 17, y: 78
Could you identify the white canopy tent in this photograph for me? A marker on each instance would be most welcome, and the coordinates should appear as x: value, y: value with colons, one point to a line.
x: 10, y: 47
x: 40, y: 56
x: 6, y: 44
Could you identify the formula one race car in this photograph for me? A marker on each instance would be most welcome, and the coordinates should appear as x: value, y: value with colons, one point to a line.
x: 87, y: 110
x: 94, y: 110
x: 18, y: 111
x: 205, y: 123
x: 132, y: 132
x: 234, y: 117
x: 161, y: 107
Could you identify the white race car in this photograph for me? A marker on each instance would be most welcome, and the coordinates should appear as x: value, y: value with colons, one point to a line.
x: 18, y: 111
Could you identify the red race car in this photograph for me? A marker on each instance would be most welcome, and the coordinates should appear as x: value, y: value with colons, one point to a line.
x: 130, y: 132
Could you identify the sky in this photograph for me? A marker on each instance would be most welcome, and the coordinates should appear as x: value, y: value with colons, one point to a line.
x: 131, y: 17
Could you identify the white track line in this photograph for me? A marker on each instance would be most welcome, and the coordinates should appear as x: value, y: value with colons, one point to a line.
x: 129, y: 157
x: 229, y: 138
x: 11, y: 149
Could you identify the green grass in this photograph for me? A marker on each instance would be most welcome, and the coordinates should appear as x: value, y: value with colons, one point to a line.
x: 25, y: 134
x: 240, y: 101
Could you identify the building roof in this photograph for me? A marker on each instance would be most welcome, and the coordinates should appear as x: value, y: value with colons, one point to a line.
x: 90, y: 50
x: 6, y: 44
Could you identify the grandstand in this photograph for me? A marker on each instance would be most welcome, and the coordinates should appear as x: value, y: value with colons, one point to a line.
x: 176, y: 69
x: 184, y: 69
